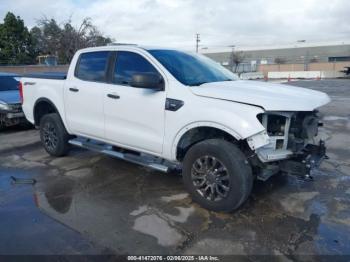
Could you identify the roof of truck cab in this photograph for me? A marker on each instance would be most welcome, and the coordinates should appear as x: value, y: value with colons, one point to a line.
x: 126, y: 46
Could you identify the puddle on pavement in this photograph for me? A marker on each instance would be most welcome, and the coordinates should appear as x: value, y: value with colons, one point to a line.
x: 25, y: 230
x: 127, y: 209
x: 281, y: 215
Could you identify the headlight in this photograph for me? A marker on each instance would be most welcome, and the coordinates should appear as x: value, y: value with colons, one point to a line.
x: 277, y: 126
x: 275, y: 123
x: 4, y: 106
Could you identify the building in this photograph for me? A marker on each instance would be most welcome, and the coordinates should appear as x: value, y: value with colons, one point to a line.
x: 300, y: 53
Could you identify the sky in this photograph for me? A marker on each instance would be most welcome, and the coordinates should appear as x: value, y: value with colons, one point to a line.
x: 220, y: 23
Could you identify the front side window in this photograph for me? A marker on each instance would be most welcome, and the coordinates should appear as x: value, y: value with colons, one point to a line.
x: 128, y: 64
x: 92, y: 66
x: 192, y: 69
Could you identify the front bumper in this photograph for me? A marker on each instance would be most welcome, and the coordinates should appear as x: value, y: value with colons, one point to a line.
x: 11, y: 118
x: 302, y: 163
x: 14, y: 115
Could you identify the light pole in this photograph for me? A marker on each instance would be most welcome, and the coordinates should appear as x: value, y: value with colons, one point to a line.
x: 232, y: 56
x: 197, y: 42
x: 306, y: 57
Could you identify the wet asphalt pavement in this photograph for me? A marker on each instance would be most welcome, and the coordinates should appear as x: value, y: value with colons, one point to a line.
x: 88, y: 203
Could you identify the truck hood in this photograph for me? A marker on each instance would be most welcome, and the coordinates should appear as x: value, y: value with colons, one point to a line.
x: 271, y: 97
x: 10, y: 97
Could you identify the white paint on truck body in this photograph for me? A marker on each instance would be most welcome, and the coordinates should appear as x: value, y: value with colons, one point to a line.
x: 139, y: 121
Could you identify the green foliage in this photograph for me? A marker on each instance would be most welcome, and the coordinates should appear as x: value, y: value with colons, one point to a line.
x: 16, y: 43
x: 19, y: 46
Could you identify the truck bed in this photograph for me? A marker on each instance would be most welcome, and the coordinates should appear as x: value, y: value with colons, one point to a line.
x: 36, y: 87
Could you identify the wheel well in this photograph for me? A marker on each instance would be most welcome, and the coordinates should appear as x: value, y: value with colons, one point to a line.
x: 42, y: 108
x: 199, y: 134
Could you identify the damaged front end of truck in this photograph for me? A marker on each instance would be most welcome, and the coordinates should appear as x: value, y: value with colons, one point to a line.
x: 290, y: 143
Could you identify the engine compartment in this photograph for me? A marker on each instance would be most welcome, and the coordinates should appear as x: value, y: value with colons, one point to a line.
x: 293, y: 145
x: 290, y: 130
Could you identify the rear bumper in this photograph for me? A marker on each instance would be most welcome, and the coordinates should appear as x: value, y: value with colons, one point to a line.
x: 301, y: 163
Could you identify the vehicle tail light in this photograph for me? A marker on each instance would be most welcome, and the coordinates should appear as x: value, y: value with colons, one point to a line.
x: 20, y: 88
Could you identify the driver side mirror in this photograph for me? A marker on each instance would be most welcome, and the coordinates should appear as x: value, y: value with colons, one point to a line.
x: 147, y: 80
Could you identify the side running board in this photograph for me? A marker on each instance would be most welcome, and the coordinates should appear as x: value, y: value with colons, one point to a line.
x: 142, y: 159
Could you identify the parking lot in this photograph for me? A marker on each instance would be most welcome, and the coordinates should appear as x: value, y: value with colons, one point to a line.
x: 88, y: 203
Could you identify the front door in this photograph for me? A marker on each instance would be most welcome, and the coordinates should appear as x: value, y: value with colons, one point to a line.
x: 134, y: 117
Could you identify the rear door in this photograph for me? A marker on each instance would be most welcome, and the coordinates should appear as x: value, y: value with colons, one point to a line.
x: 84, y: 95
x: 134, y: 117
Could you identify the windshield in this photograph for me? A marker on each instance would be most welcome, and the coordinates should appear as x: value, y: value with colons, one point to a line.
x: 8, y: 83
x: 192, y: 69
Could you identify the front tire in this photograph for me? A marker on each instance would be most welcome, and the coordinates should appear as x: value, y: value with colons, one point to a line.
x: 53, y: 135
x: 217, y: 175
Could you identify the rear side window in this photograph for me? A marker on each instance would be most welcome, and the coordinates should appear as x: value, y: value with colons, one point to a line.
x: 128, y: 64
x: 8, y: 83
x: 92, y: 66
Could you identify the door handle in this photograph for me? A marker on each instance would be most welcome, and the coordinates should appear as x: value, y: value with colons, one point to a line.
x: 73, y: 89
x: 113, y: 96
x: 29, y: 83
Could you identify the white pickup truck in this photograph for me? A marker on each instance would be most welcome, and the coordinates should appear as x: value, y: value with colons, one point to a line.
x: 168, y: 109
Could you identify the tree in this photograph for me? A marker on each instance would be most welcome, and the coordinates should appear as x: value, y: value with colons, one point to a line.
x: 51, y: 36
x: 19, y: 46
x: 64, y: 40
x: 38, y: 41
x: 236, y: 59
x: 16, y: 43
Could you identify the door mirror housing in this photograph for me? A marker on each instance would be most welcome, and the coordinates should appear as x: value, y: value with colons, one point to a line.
x: 147, y: 80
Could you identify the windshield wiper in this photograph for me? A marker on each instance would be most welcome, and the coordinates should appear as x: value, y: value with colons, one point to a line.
x: 198, y: 84
x: 204, y: 82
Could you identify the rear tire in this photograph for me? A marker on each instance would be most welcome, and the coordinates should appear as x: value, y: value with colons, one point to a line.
x: 53, y: 135
x: 217, y: 175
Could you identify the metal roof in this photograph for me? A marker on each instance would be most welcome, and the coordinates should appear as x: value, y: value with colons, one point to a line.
x: 274, y: 47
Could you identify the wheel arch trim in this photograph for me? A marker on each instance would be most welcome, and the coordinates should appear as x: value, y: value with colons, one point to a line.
x: 46, y: 100
x: 194, y: 125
